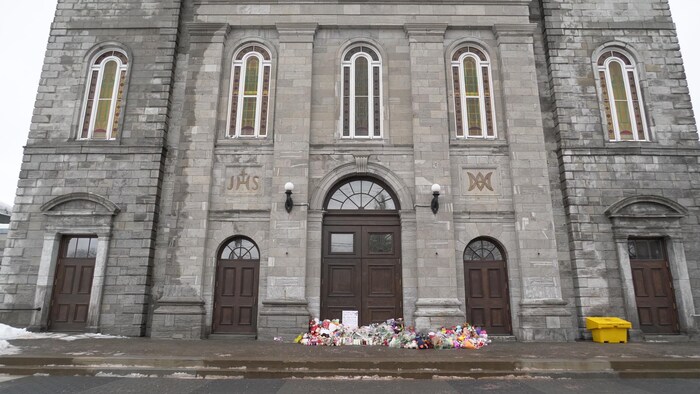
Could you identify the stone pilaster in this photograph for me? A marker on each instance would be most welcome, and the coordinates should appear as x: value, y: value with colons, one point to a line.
x: 179, y: 312
x: 437, y: 302
x: 284, y: 309
x: 543, y: 312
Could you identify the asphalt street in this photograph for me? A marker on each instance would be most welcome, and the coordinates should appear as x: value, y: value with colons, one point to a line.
x: 520, y: 385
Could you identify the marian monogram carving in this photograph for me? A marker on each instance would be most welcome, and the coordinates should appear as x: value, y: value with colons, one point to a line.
x: 480, y: 181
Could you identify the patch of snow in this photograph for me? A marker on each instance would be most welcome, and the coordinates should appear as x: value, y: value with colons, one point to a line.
x: 521, y: 377
x: 359, y: 377
x: 10, y: 333
x: 182, y: 375
x: 6, y: 348
x: 222, y: 377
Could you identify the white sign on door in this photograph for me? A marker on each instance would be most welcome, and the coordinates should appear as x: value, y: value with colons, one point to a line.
x: 350, y: 318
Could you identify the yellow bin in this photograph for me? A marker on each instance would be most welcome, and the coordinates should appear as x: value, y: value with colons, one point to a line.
x: 608, y: 329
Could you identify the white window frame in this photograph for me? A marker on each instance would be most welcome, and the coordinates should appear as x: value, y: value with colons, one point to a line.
x: 100, y: 67
x: 605, y: 68
x: 241, y: 94
x: 371, y: 63
x: 482, y: 98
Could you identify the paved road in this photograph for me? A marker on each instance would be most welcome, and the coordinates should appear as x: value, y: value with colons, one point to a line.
x: 110, y: 384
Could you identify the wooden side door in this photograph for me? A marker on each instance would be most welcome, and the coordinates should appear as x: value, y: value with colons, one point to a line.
x: 653, y: 287
x: 73, y: 283
x: 236, y: 297
x: 487, y: 296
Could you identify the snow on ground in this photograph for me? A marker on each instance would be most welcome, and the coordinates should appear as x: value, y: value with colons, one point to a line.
x: 8, y: 333
x: 6, y: 348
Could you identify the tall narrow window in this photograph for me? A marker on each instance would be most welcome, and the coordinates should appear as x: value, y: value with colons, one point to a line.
x: 622, y: 99
x: 250, y: 93
x: 362, y: 98
x: 473, y: 100
x: 105, y: 96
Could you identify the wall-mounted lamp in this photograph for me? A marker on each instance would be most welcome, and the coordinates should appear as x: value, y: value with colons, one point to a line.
x: 435, y: 205
x: 288, y: 203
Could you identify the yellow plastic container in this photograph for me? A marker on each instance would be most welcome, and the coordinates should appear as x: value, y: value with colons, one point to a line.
x: 608, y: 329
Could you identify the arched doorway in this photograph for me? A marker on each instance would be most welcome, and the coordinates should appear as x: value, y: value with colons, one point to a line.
x: 486, y: 286
x: 236, y: 288
x: 361, y: 264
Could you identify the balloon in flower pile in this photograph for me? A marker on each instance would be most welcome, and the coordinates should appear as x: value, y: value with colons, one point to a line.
x: 392, y: 333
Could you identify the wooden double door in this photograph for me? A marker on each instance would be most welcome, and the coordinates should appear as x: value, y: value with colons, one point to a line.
x: 72, y: 284
x: 653, y: 287
x: 361, y: 267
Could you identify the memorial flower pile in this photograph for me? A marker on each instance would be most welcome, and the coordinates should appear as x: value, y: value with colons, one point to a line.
x: 392, y: 333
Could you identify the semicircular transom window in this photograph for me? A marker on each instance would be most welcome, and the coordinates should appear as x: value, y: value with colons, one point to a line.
x: 240, y: 248
x: 361, y: 194
x: 482, y: 250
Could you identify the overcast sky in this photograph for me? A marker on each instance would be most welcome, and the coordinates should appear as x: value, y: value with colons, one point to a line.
x: 24, y: 31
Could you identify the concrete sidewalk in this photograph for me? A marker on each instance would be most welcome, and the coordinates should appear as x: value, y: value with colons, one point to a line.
x: 235, y: 358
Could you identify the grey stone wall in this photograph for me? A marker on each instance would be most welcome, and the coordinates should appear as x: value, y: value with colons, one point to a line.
x: 595, y: 173
x: 126, y: 171
x: 183, y: 188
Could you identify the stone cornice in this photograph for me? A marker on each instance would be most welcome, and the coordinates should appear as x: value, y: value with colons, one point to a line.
x: 426, y: 32
x: 514, y: 33
x: 296, y: 32
x: 208, y: 32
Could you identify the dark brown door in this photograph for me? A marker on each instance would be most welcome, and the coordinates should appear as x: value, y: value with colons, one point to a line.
x: 486, y: 287
x: 653, y: 287
x: 236, y: 290
x: 73, y: 283
x: 361, y: 268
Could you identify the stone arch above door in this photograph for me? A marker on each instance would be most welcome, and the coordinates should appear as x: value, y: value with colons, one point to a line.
x: 372, y: 170
x: 67, y: 215
x: 644, y: 217
x: 646, y: 207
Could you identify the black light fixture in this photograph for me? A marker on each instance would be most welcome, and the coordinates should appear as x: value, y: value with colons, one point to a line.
x: 435, y: 205
x: 288, y: 203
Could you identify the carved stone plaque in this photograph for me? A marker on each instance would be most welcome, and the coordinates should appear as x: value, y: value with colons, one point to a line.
x: 481, y: 181
x: 244, y: 181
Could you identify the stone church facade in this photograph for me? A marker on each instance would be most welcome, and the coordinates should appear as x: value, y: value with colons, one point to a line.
x: 218, y: 167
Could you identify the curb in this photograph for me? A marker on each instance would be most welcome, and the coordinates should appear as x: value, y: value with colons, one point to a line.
x: 410, y: 369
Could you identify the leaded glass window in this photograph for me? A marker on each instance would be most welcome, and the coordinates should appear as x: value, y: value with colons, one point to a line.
x: 361, y: 194
x: 473, y: 98
x: 240, y: 248
x: 622, y: 100
x: 362, y: 93
x: 104, y: 98
x: 483, y: 250
x: 250, y: 93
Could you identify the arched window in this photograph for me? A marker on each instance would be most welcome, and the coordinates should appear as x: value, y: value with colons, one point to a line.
x: 483, y: 250
x: 622, y: 99
x: 361, y: 194
x: 250, y: 92
x: 362, y: 93
x: 240, y: 248
x: 104, y: 99
x: 473, y: 97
